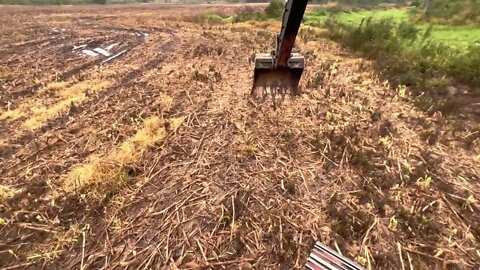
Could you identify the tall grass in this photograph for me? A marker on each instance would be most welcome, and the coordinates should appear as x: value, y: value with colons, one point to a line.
x: 408, y: 52
x: 457, y: 12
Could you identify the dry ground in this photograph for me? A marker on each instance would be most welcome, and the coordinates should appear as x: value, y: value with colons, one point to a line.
x: 158, y: 159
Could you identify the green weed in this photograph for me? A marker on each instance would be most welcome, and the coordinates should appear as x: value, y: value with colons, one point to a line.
x: 411, y: 56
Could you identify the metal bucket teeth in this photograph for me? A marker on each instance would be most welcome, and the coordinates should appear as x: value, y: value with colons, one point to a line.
x: 270, y: 81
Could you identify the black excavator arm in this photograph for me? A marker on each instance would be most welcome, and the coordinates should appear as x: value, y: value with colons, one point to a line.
x: 279, y: 72
x: 292, y: 18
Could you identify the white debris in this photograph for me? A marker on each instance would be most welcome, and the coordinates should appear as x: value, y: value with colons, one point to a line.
x: 58, y: 30
x: 145, y: 34
x: 79, y: 47
x: 110, y: 47
x: 102, y: 51
x: 114, y: 56
x: 89, y: 53
x: 452, y: 90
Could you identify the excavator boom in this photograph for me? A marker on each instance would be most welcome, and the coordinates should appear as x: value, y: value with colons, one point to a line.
x: 292, y: 18
x: 279, y: 72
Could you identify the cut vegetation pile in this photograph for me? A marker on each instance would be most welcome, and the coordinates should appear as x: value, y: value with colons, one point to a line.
x: 158, y: 159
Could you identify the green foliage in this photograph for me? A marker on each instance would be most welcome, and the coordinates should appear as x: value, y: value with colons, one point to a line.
x: 408, y: 52
x: 320, y: 12
x: 216, y: 18
x: 416, y: 3
x: 275, y: 9
x: 320, y: 15
x: 459, y: 36
x: 317, y: 17
x: 454, y: 12
x: 210, y: 17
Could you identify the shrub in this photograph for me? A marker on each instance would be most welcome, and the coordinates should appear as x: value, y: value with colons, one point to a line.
x: 320, y: 12
x: 408, y: 53
x: 416, y: 3
x: 249, y: 14
x: 275, y: 9
x: 452, y: 12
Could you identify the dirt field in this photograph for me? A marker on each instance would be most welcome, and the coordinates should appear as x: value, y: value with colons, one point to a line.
x: 155, y: 157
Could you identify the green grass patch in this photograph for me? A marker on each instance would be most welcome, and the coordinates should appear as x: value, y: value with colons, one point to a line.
x: 411, y: 57
x: 396, y: 15
x: 459, y: 36
x: 217, y: 18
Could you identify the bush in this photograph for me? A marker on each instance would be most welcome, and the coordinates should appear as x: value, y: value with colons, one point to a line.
x: 215, y: 18
x: 369, y: 37
x: 275, y: 9
x: 453, y: 12
x: 320, y: 12
x: 249, y: 14
x: 416, y: 4
x: 408, y: 53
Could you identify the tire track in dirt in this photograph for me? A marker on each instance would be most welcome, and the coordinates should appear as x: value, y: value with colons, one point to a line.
x: 241, y: 184
x: 56, y: 125
x: 54, y: 47
x: 210, y: 129
x: 127, y: 80
x: 202, y: 100
x: 17, y: 48
x: 97, y: 114
x: 69, y: 72
x: 183, y: 99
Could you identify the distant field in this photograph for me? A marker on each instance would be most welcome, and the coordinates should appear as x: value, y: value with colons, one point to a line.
x: 454, y: 35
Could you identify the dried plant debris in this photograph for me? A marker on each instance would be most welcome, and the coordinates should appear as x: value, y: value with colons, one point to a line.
x: 160, y: 159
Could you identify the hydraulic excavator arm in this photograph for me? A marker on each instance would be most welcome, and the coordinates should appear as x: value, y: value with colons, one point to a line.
x: 292, y: 18
x: 279, y: 72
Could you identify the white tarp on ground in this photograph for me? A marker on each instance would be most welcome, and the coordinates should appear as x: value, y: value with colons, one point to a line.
x: 110, y: 47
x: 102, y: 51
x: 105, y: 52
x: 89, y: 53
x: 79, y: 47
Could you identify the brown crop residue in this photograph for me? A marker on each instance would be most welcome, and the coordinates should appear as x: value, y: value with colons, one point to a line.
x: 158, y: 159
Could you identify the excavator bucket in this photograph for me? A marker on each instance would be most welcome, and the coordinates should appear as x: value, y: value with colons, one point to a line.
x: 281, y: 81
x: 279, y: 72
